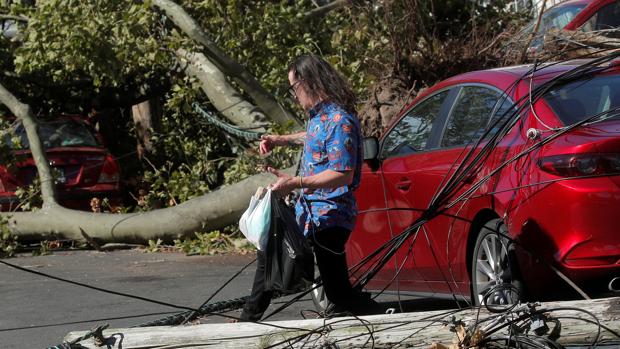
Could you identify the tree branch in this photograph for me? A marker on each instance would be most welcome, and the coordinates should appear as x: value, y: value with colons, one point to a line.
x: 227, y: 65
x: 223, y: 96
x: 14, y: 18
x: 320, y: 11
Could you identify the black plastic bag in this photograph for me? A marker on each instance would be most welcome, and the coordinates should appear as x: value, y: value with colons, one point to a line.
x: 289, y: 263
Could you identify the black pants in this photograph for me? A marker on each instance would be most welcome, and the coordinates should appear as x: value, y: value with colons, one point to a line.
x: 259, y: 299
x: 328, y: 246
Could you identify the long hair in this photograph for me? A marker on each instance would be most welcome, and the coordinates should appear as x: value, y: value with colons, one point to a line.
x: 322, y: 80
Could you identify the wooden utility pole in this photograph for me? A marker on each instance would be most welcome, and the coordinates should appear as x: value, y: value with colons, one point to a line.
x: 405, y: 330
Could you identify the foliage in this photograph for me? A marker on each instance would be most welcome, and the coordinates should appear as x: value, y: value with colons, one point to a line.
x: 29, y: 197
x: 8, y: 242
x: 264, y: 36
x: 8, y: 142
x: 428, y: 40
x: 106, y: 41
x: 43, y: 250
x: 196, y: 153
x: 250, y: 162
x: 154, y: 246
x: 211, y: 243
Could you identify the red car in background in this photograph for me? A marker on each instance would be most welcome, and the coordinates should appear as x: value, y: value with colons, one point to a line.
x: 584, y: 15
x: 559, y: 201
x: 82, y: 166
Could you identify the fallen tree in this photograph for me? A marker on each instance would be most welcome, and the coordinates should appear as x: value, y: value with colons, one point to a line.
x: 208, y: 212
x: 211, y: 211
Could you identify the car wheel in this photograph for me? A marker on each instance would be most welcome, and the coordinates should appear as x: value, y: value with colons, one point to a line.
x: 495, y: 280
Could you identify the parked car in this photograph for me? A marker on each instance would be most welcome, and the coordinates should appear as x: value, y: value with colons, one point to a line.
x: 583, y: 15
x: 82, y: 166
x: 560, y: 202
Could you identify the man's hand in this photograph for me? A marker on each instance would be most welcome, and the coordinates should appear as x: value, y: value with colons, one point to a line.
x: 285, y: 183
x: 267, y: 142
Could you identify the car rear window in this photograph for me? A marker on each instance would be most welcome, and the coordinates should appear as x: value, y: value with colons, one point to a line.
x: 579, y: 100
x: 60, y: 134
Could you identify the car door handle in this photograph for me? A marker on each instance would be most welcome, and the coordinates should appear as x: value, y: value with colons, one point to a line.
x: 404, y: 184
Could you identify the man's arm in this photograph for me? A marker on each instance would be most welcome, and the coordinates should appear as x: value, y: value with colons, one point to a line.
x: 292, y: 139
x: 325, y: 179
x: 268, y: 142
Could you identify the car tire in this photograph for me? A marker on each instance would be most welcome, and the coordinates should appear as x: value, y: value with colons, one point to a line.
x: 494, y: 264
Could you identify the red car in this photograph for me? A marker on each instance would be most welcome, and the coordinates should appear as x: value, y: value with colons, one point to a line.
x: 82, y: 166
x: 554, y: 190
x: 585, y: 15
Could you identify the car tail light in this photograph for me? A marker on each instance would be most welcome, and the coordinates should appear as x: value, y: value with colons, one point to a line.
x: 109, y: 171
x: 574, y: 165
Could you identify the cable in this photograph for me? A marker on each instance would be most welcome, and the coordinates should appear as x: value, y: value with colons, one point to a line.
x: 80, y: 322
x: 192, y: 315
x: 131, y: 296
x: 231, y: 129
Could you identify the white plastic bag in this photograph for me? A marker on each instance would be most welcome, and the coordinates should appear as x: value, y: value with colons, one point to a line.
x: 256, y: 220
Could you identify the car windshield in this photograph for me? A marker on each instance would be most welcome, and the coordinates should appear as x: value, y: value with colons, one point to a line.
x: 579, y: 100
x: 60, y: 133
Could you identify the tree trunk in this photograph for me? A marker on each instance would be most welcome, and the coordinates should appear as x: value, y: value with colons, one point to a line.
x: 208, y: 212
x: 24, y: 113
x: 223, y: 96
x: 146, y: 117
x: 228, y: 66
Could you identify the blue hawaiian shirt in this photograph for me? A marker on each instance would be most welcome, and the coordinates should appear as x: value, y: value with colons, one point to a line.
x: 333, y: 142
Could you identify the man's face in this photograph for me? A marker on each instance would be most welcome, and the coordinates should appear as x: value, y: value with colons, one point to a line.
x: 298, y: 90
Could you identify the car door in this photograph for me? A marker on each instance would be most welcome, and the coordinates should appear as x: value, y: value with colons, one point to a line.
x: 446, y: 234
x: 402, y: 150
x: 371, y: 228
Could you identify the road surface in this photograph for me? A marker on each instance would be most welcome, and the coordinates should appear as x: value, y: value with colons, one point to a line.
x: 37, y: 312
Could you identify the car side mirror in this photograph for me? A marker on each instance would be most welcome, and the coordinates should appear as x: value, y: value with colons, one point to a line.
x: 371, y: 148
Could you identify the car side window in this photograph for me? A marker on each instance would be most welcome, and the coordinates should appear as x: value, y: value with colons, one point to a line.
x: 412, y: 132
x: 559, y: 17
x: 606, y: 19
x: 472, y: 113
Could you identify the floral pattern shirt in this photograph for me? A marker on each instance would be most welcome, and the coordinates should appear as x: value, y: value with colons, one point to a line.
x: 333, y: 142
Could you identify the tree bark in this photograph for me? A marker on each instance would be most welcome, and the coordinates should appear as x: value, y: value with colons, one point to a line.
x: 223, y: 96
x: 24, y: 113
x: 228, y: 66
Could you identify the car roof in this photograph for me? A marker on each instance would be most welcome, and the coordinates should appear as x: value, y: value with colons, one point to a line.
x: 505, y: 77
x: 502, y: 78
x: 573, y: 2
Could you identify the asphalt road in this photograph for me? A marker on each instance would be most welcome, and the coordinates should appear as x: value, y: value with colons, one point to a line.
x: 37, y: 312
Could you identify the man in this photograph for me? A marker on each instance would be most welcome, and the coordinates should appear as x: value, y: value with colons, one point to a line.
x: 329, y: 173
